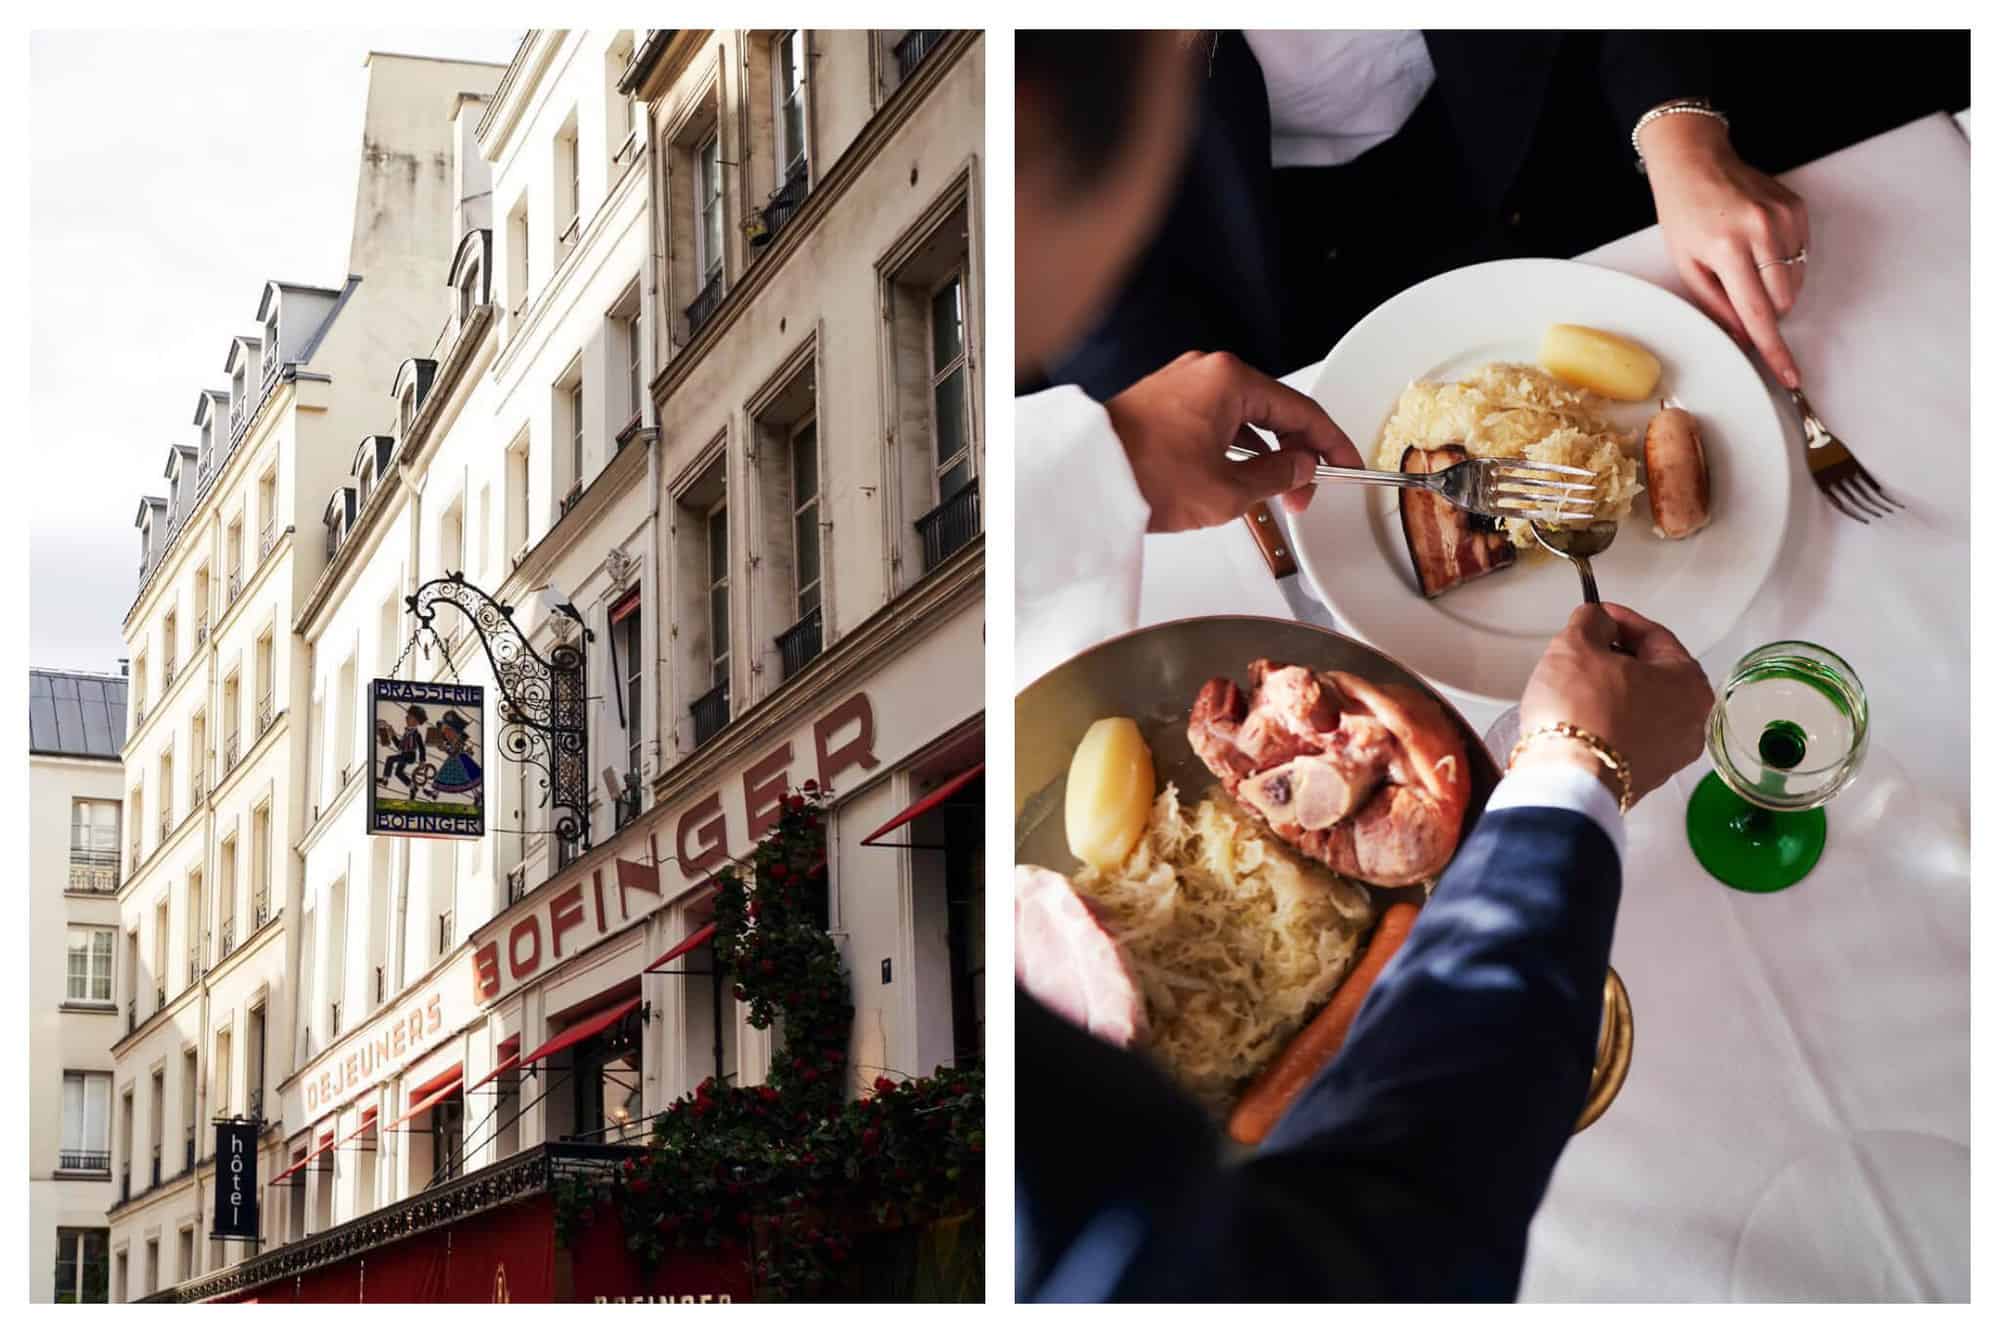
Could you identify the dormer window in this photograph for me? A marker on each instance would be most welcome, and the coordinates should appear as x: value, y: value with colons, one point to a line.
x: 367, y: 481
x: 406, y: 412
x: 271, y: 346
x: 468, y: 292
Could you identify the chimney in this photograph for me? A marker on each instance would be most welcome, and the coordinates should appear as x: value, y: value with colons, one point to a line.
x: 124, y: 666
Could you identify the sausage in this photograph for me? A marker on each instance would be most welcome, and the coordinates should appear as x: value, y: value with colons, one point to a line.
x: 1320, y: 1040
x: 1676, y: 474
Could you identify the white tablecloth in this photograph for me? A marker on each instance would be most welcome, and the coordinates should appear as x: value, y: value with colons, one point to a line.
x: 1797, y: 1121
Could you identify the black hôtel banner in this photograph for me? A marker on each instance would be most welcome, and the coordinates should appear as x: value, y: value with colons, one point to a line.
x: 235, y: 1211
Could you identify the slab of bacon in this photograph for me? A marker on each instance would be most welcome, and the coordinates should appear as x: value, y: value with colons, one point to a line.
x: 1064, y: 957
x: 1369, y: 779
x: 1447, y: 545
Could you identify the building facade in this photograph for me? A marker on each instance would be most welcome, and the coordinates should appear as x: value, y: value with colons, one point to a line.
x: 215, y: 755
x: 76, y: 728
x: 759, y: 522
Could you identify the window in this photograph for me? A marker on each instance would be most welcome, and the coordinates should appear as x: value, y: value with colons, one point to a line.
x: 517, y: 260
x: 260, y: 866
x: 81, y: 1266
x: 517, y: 502
x: 468, y: 292
x: 718, y: 593
x: 225, y: 905
x: 336, y: 955
x: 630, y: 645
x: 254, y: 1051
x: 152, y: 1265
x: 221, y: 1072
x: 569, y: 166
x: 576, y: 435
x: 451, y: 536
x: 607, y: 1084
x: 805, y: 516
x: 948, y: 388
x: 788, y: 67
x: 186, y: 1269
x: 86, y: 1123
x: 708, y: 207
x: 122, y: 1287
x: 93, y: 846
x: 365, y: 1144
x: 90, y: 964
x: 633, y: 377
x: 190, y: 1082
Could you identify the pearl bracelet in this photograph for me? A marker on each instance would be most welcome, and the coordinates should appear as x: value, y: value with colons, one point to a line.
x: 1600, y: 749
x: 1683, y: 106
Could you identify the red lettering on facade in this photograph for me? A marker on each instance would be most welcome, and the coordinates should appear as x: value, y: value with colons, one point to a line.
x: 528, y: 928
x: 434, y: 1009
x: 859, y: 752
x: 597, y: 892
x: 351, y: 1067
x: 636, y: 875
x: 565, y: 913
x: 486, y: 972
x: 706, y: 822
x: 399, y: 1040
x: 764, y: 790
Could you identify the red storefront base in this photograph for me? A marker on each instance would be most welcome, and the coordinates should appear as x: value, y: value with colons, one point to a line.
x: 509, y: 1255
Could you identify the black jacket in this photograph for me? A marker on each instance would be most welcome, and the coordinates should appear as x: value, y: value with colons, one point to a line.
x: 1490, y: 166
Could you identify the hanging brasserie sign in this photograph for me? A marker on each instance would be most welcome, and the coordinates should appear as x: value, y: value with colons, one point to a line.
x: 235, y: 1211
x: 427, y: 780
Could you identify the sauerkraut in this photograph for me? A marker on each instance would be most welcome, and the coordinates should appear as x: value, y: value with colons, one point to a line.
x: 1510, y: 411
x: 1236, y: 939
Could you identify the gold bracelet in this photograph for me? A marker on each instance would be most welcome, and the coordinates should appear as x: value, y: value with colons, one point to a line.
x: 1603, y: 751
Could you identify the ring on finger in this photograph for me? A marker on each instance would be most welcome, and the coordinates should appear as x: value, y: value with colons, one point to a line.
x: 1798, y: 258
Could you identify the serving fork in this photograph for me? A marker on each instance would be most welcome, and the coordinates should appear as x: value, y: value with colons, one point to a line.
x: 1492, y: 487
x: 1851, y: 487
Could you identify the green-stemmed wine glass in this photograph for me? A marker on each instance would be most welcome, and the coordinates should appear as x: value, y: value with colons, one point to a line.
x: 1787, y: 733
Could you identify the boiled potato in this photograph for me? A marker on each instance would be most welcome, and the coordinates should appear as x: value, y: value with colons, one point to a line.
x: 1110, y: 793
x: 1601, y: 362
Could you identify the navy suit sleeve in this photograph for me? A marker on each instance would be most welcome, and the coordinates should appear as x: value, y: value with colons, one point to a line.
x: 1407, y: 1171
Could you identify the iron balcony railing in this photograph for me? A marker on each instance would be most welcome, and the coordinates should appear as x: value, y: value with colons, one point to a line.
x: 167, y: 673
x: 916, y: 44
x: 235, y: 585
x: 156, y: 1166
x: 260, y: 908
x: 267, y: 537
x: 255, y: 1109
x: 625, y: 808
x: 703, y: 307
x: 950, y: 526
x: 227, y: 939
x: 84, y: 1159
x: 232, y: 750
x: 200, y: 632
x: 711, y: 713
x: 197, y: 788
x: 166, y: 824
x: 159, y: 997
x: 265, y: 714
x: 784, y: 204
x: 194, y: 963
x: 138, y: 849
x: 517, y: 888
x: 93, y: 870
x: 139, y: 713
x: 800, y: 644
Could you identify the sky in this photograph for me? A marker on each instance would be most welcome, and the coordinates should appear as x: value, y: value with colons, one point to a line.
x: 171, y: 174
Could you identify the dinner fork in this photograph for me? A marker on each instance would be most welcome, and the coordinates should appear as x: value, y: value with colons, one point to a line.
x: 1839, y: 475
x: 1493, y: 487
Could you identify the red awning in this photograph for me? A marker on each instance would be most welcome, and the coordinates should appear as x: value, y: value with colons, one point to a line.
x: 508, y: 1062
x: 688, y: 945
x: 326, y: 1145
x: 581, y: 1031
x: 928, y: 803
x: 429, y: 1096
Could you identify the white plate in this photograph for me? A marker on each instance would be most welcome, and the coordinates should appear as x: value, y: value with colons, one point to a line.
x: 1482, y: 639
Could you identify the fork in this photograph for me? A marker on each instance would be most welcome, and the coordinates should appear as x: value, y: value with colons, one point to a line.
x: 1851, y: 487
x: 1492, y: 487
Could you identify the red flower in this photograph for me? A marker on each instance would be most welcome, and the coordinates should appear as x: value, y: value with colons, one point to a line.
x: 810, y: 1075
x: 741, y: 994
x: 838, y: 1253
x: 871, y: 1139
x: 767, y: 1092
x: 958, y: 1089
x: 768, y: 968
x: 668, y: 1222
x: 883, y: 1083
x: 639, y: 1184
x: 809, y: 786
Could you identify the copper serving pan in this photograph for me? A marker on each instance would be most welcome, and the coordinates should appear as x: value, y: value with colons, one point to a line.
x: 1152, y: 675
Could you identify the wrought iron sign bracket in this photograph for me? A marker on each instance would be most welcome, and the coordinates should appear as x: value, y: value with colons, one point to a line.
x: 544, y: 721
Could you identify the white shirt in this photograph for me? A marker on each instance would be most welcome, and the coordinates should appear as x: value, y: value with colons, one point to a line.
x: 1079, y: 547
x: 1335, y: 95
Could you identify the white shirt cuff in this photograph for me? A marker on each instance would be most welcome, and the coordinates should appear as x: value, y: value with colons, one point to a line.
x: 1563, y: 788
x: 1082, y: 526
